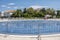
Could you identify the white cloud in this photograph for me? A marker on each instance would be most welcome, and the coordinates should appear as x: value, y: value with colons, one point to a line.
x: 8, y: 7
x: 11, y: 4
x: 3, y: 5
x: 36, y: 7
x: 18, y: 7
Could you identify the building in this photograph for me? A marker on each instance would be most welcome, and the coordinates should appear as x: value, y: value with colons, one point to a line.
x: 47, y: 16
x: 7, y: 13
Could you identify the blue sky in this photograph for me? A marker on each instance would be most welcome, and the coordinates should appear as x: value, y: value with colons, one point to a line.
x: 20, y: 4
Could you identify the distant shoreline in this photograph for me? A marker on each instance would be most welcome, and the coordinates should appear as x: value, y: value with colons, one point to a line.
x: 21, y: 19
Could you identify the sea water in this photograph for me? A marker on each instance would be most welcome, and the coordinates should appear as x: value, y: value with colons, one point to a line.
x: 30, y: 27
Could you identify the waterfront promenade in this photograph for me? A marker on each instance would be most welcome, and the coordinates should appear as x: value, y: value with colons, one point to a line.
x: 30, y: 37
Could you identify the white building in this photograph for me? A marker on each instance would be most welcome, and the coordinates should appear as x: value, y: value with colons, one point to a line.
x: 48, y: 16
x: 2, y: 13
x: 7, y: 13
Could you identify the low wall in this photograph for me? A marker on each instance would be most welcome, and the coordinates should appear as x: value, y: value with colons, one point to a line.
x: 50, y: 37
x: 18, y: 37
x: 30, y: 37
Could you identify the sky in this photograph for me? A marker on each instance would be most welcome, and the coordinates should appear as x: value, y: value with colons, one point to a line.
x: 21, y: 4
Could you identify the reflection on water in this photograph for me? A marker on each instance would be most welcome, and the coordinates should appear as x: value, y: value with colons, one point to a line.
x: 30, y: 27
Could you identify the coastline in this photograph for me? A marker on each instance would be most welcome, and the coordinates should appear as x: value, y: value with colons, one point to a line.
x: 21, y: 19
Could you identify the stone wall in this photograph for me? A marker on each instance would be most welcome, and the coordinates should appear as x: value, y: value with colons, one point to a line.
x: 30, y: 37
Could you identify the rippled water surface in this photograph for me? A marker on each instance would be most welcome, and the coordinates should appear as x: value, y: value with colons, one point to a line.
x: 30, y: 27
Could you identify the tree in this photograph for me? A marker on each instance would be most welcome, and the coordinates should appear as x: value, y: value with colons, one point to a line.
x: 41, y: 13
x: 17, y: 13
x: 26, y: 15
x: 58, y: 14
x: 25, y: 10
x: 30, y: 11
x: 43, y: 10
x: 50, y: 11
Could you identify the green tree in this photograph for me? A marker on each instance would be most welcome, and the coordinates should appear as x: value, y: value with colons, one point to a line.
x: 25, y: 10
x: 17, y: 13
x: 58, y: 14
x: 41, y: 13
x: 30, y: 11
x: 43, y: 10
x: 26, y: 15
x: 50, y: 11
